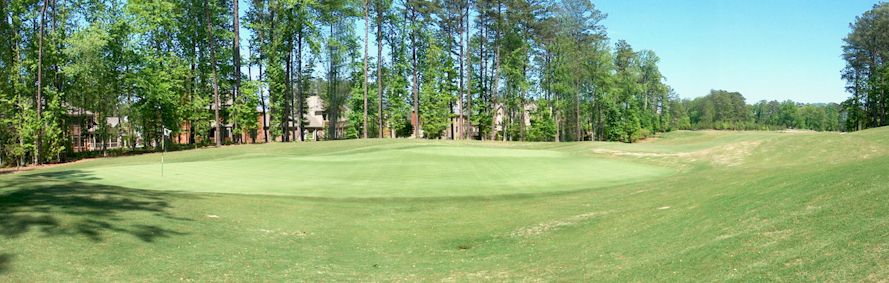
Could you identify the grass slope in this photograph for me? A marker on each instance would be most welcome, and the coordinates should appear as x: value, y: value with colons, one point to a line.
x: 704, y: 206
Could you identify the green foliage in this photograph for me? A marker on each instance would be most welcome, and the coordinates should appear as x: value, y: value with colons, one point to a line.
x: 434, y: 111
x: 340, y: 57
x: 277, y: 97
x: 356, y: 116
x: 54, y: 139
x: 543, y: 127
x: 866, y: 51
x: 27, y: 127
x: 435, y: 92
x: 158, y: 104
x: 720, y: 109
x: 243, y: 112
x: 723, y: 110
x: 396, y: 107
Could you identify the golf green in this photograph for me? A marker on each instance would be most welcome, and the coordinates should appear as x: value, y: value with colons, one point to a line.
x: 386, y: 170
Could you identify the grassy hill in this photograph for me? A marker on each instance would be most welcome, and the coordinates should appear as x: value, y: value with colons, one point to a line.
x: 705, y: 206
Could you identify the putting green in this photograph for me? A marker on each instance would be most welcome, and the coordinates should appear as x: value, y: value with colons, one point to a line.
x: 387, y: 170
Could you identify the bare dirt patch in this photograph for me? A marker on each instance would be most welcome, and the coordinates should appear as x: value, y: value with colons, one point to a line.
x: 15, y: 170
x: 297, y: 234
x: 796, y: 131
x: 484, y: 275
x: 731, y: 154
x: 548, y: 226
x: 727, y: 155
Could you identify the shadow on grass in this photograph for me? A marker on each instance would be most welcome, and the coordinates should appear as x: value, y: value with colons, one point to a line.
x: 4, y: 262
x: 67, y: 175
x: 59, y: 204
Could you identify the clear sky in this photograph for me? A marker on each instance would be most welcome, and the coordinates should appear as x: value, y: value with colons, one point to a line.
x: 765, y: 49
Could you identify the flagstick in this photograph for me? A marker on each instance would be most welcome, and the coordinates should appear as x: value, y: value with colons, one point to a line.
x: 163, y: 152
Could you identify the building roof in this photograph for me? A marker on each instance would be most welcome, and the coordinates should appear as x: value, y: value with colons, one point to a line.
x: 72, y: 110
x: 114, y: 121
x: 316, y: 105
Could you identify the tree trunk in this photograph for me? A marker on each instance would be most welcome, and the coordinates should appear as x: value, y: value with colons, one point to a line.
x: 366, y: 7
x: 417, y: 127
x: 299, y: 80
x: 484, y: 74
x: 193, y: 86
x: 265, y: 122
x: 599, y: 128
x: 468, y: 122
x: 39, y: 99
x: 332, y: 112
x: 577, y: 124
x: 57, y: 74
x: 130, y: 129
x: 494, y: 93
x: 495, y: 89
x: 450, y: 47
x: 272, y: 20
x: 380, y: 72
x: 556, y: 111
x: 288, y: 84
x: 18, y: 98
x: 292, y: 117
x: 215, y: 79
x: 460, y: 107
x: 522, y: 126
x: 236, y: 51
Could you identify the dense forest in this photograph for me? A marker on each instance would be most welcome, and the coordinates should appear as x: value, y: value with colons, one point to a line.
x: 518, y: 70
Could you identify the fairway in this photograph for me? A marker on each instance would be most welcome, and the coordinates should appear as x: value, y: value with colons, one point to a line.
x: 708, y: 205
x: 375, y: 170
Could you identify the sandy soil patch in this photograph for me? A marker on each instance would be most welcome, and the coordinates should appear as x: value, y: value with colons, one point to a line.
x: 727, y: 155
x: 15, y: 170
x: 548, y: 226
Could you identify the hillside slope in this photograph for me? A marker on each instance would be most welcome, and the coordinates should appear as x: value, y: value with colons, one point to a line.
x: 740, y: 206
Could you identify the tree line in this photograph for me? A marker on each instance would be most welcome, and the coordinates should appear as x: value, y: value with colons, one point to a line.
x: 477, y: 69
x: 725, y: 110
x: 517, y: 70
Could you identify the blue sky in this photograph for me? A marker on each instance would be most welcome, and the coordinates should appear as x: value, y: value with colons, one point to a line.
x: 765, y: 49
x: 778, y: 49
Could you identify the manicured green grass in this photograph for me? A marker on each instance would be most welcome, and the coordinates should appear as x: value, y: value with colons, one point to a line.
x: 353, y: 169
x: 690, y: 206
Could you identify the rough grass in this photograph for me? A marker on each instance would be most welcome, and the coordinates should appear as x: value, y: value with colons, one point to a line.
x: 781, y: 207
